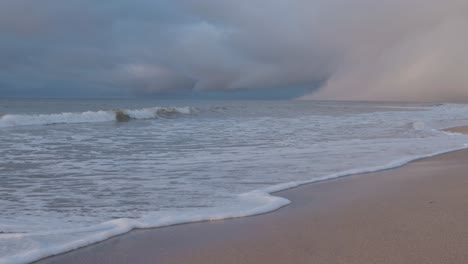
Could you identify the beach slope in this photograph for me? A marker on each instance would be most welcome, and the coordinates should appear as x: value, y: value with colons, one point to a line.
x: 417, y: 213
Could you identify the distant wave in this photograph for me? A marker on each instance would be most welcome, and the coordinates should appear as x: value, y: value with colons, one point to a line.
x: 13, y: 120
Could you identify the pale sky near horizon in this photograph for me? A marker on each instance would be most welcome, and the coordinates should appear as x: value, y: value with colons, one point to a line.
x: 312, y: 49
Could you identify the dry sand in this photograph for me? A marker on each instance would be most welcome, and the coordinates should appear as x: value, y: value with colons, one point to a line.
x: 414, y: 214
x: 462, y: 129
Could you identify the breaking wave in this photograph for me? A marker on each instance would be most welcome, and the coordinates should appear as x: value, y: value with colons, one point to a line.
x: 29, y: 247
x: 13, y: 120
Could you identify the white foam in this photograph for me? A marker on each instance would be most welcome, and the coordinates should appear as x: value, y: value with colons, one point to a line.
x: 360, y: 148
x: 419, y: 125
x: 13, y: 120
x: 28, y: 247
x: 147, y: 113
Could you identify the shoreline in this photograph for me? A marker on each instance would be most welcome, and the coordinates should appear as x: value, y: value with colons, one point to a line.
x: 180, y: 243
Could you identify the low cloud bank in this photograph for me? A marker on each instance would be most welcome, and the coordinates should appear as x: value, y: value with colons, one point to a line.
x: 330, y: 49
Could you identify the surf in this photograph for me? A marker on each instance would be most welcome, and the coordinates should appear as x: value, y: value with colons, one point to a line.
x: 118, y: 115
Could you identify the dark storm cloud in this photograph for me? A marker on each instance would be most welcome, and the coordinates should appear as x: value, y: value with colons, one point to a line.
x: 353, y: 49
x: 83, y: 43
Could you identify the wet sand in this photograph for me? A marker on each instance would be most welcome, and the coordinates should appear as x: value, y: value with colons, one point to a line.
x: 417, y: 213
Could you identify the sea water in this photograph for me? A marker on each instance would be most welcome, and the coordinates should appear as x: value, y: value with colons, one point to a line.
x: 75, y: 172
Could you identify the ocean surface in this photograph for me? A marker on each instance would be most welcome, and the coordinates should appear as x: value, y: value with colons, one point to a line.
x: 75, y: 172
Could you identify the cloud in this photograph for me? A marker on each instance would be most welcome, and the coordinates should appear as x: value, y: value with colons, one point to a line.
x: 415, y: 52
x: 328, y: 49
x: 151, y: 78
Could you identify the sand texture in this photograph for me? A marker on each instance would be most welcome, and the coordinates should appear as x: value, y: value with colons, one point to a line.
x: 414, y: 214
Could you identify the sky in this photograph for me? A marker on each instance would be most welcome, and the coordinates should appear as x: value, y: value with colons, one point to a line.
x: 410, y: 50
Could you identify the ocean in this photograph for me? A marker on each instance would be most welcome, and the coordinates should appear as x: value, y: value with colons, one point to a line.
x: 75, y: 172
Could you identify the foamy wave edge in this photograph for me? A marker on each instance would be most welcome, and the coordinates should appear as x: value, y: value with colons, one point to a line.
x: 248, y: 204
x: 14, y: 120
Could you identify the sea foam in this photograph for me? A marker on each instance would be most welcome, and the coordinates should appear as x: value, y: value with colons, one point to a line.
x: 204, y: 156
x: 21, y: 248
x: 13, y: 120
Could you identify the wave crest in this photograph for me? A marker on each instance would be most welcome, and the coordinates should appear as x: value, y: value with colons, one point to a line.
x: 14, y: 120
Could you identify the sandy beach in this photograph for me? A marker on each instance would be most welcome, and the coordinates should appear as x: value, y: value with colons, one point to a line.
x: 233, y: 132
x: 417, y: 213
